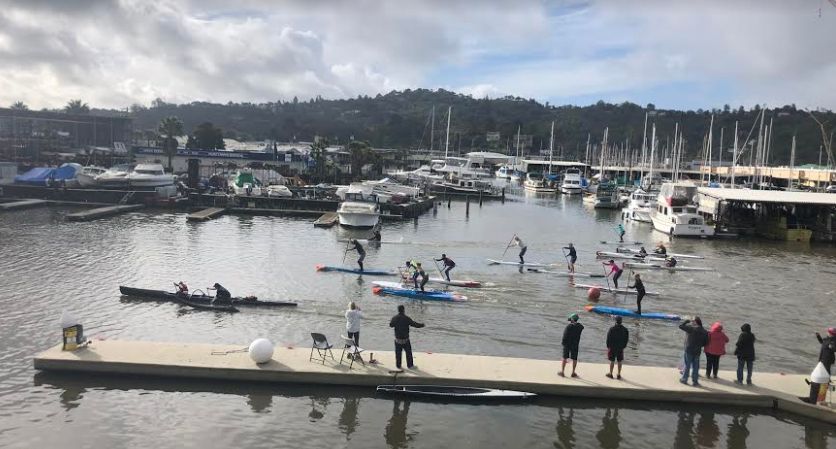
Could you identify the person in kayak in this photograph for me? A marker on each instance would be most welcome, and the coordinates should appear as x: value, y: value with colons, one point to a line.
x: 660, y: 249
x: 642, y: 252
x: 745, y: 352
x: 640, y: 292
x: 620, y: 231
x: 617, y: 338
x: 615, y: 271
x: 572, y: 255
x: 361, y: 252
x: 670, y: 262
x: 402, y: 323
x: 828, y: 346
x: 419, y: 271
x: 523, y: 248
x: 448, y: 265
x: 221, y: 293
x: 571, y: 343
x: 375, y: 236
x: 182, y: 289
x: 696, y: 338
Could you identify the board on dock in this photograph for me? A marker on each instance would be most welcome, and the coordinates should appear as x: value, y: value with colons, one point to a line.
x: 101, y: 212
x: 206, y: 214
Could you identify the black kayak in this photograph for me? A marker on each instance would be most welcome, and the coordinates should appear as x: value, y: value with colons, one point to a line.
x: 220, y: 307
x: 197, y: 300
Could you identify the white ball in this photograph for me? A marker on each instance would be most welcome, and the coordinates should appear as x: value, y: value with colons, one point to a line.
x: 261, y: 350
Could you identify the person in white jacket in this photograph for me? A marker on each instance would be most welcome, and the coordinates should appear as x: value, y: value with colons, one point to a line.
x: 353, y: 316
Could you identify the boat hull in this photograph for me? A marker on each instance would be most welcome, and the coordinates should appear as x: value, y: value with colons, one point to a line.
x: 162, y: 295
x: 663, y: 224
x: 570, y: 190
x: 358, y: 220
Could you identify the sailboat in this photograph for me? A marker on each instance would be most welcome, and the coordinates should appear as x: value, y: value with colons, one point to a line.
x: 538, y: 182
x: 643, y: 200
x: 605, y: 195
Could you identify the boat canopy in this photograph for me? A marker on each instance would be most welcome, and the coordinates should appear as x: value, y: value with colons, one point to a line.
x: 35, y: 177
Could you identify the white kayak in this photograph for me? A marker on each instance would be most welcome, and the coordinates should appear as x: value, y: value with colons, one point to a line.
x: 456, y: 282
x: 677, y: 255
x: 565, y: 273
x: 367, y: 241
x: 655, y: 266
x: 623, y: 291
x: 509, y: 262
x: 630, y: 256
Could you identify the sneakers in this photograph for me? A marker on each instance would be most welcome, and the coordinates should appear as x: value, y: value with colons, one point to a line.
x: 618, y: 377
x: 683, y: 381
x: 609, y: 375
x: 412, y: 367
x: 575, y: 375
x: 561, y: 374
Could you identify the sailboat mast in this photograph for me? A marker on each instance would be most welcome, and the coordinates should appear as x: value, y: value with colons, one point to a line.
x: 603, y: 146
x: 432, y: 129
x: 792, y: 161
x: 652, y: 153
x: 644, y: 148
x: 551, y: 148
x: 734, y: 155
x: 710, y: 146
x: 447, y: 142
x: 517, y: 155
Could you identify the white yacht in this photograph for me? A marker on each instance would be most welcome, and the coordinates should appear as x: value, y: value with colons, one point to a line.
x: 463, y: 167
x: 114, y: 177
x: 676, y: 214
x: 605, y: 196
x: 149, y: 175
x: 503, y: 172
x: 278, y: 191
x: 358, y: 214
x: 245, y: 183
x: 640, y: 207
x: 87, y: 175
x: 536, y: 182
x: 571, y: 181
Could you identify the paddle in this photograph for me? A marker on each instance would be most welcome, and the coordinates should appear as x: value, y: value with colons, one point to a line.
x: 435, y: 262
x: 566, y: 256
x: 345, y: 253
x: 509, y: 245
x: 604, y: 267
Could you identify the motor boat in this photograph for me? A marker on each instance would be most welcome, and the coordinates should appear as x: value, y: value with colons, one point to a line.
x: 676, y: 214
x: 459, y: 186
x: 504, y: 172
x: 605, y: 196
x: 640, y: 207
x: 149, y: 175
x: 114, y: 177
x: 245, y: 183
x: 87, y: 175
x: 571, y: 181
x: 536, y: 182
x: 354, y: 212
x: 278, y: 191
x: 463, y: 167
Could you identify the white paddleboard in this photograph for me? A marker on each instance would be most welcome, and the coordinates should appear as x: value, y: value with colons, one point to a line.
x: 620, y: 291
x: 650, y: 266
x: 508, y: 262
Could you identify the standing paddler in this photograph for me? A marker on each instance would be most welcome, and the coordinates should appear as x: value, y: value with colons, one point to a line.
x: 572, y: 257
x: 361, y: 252
x: 615, y: 271
x: 419, y: 271
x: 516, y: 241
x: 448, y: 265
x: 640, y: 292
x: 620, y: 231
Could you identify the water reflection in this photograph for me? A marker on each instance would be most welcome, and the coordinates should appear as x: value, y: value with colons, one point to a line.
x: 708, y: 432
x: 610, y: 435
x: 395, y: 433
x: 260, y: 403
x: 737, y: 432
x: 684, y: 438
x: 348, y: 417
x: 565, y: 431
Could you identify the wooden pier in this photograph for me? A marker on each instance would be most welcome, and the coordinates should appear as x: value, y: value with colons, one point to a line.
x: 327, y: 220
x: 23, y: 204
x: 102, y: 212
x: 206, y: 214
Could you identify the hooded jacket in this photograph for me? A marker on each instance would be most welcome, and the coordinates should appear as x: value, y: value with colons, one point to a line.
x: 716, y: 340
x: 745, y: 346
x: 696, y: 337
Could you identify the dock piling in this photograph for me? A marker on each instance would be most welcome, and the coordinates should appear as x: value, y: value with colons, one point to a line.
x: 467, y: 205
x: 503, y: 195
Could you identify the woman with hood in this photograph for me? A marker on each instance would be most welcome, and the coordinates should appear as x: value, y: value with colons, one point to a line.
x: 745, y: 352
x: 714, y: 349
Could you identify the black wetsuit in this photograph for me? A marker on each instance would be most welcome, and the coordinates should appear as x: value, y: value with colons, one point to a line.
x: 573, y: 255
x: 826, y: 354
x: 424, y: 278
x: 360, y: 252
x: 640, y: 292
x: 448, y: 265
x: 222, y: 293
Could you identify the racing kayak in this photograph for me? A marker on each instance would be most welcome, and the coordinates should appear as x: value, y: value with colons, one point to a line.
x: 374, y: 271
x: 677, y: 255
x: 607, y: 310
x: 517, y: 264
x: 566, y: 273
x: 655, y: 266
x: 396, y: 289
x: 162, y: 295
x: 622, y: 291
x: 618, y: 255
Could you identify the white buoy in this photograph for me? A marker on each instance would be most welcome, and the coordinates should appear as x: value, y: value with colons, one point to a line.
x: 261, y: 350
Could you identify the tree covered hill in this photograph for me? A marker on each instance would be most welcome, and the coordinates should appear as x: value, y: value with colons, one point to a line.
x: 401, y: 119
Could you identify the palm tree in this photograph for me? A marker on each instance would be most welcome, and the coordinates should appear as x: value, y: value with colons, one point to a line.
x: 170, y: 127
x: 76, y: 107
x: 19, y: 106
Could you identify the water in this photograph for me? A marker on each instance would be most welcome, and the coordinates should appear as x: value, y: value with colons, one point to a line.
x: 47, y: 265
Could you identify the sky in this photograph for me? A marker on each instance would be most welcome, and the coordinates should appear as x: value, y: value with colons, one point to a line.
x: 674, y: 53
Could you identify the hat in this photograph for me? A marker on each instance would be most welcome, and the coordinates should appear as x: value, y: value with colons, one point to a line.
x: 831, y: 331
x: 573, y: 317
x: 618, y: 320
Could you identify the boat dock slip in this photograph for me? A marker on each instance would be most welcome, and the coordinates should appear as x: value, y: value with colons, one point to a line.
x: 23, y: 204
x: 327, y: 220
x: 230, y: 363
x: 206, y: 214
x: 101, y: 212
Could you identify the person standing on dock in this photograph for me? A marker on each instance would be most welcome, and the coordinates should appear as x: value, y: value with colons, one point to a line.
x: 617, y: 338
x: 615, y: 271
x: 620, y: 231
x: 516, y: 241
x: 828, y: 346
x: 448, y: 265
x: 402, y: 323
x: 745, y: 352
x: 572, y: 255
x: 353, y: 316
x: 361, y: 252
x: 571, y: 343
x: 715, y: 348
x: 640, y: 292
x: 696, y: 337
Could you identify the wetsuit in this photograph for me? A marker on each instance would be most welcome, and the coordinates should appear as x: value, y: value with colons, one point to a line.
x: 375, y: 237
x: 448, y: 265
x: 640, y: 292
x: 360, y: 252
x: 826, y: 354
x: 573, y: 255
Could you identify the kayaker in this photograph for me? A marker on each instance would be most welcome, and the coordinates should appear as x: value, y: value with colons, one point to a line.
x: 361, y: 252
x: 696, y: 337
x: 221, y: 293
x: 352, y: 322
x: 182, y: 289
x: 828, y: 345
x: 523, y: 248
x: 617, y: 338
x: 715, y: 348
x: 640, y: 292
x: 448, y: 265
x: 571, y: 343
x: 402, y: 323
x: 643, y: 252
x: 615, y: 271
x: 572, y: 256
x: 419, y: 271
x: 375, y: 236
x: 745, y: 352
x: 670, y: 262
x: 660, y: 249
x: 620, y: 230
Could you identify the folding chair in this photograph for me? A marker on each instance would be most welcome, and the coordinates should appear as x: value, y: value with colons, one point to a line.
x: 354, y: 351
x: 323, y: 348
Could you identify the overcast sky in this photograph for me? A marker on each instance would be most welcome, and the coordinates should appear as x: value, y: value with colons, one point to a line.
x: 674, y: 53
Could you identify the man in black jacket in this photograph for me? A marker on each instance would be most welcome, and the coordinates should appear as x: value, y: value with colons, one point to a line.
x: 696, y: 338
x: 616, y: 342
x: 571, y: 343
x: 401, y: 323
x: 828, y: 347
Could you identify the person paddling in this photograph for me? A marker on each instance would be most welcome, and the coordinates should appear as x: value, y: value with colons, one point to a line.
x: 221, y: 293
x: 523, y: 248
x: 419, y: 271
x: 643, y: 252
x: 361, y: 252
x: 572, y: 256
x: 640, y: 292
x: 448, y: 265
x: 375, y: 236
x: 660, y: 249
x: 670, y: 262
x: 615, y: 271
x: 620, y: 230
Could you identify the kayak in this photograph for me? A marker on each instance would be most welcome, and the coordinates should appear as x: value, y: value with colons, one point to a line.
x: 607, y: 310
x: 374, y: 271
x: 453, y: 392
x: 653, y: 266
x: 677, y: 255
x: 456, y: 282
x: 396, y: 289
x: 162, y: 295
x: 517, y: 264
x: 367, y: 241
x: 621, y: 243
x: 618, y: 255
x: 566, y: 273
x: 622, y: 291
x: 220, y: 307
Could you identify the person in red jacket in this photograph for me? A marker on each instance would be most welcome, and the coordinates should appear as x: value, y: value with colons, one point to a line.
x: 714, y: 349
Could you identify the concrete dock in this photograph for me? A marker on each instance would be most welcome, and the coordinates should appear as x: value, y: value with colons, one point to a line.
x: 102, y: 212
x: 291, y: 365
x: 23, y: 204
x: 206, y: 214
x: 327, y: 220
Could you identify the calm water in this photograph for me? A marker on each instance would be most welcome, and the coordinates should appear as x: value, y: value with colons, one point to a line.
x: 47, y: 265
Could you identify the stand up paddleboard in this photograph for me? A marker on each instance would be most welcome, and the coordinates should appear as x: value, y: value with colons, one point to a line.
x: 620, y: 291
x: 372, y: 271
x: 621, y: 243
x: 607, y: 310
x: 565, y: 273
x: 396, y: 289
x: 517, y: 264
x: 651, y: 254
x: 630, y: 256
x: 653, y: 266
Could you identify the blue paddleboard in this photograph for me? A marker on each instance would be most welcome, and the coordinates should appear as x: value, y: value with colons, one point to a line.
x: 607, y: 310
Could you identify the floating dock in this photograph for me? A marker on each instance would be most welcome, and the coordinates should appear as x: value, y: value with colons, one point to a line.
x: 292, y: 365
x: 102, y: 212
x: 206, y: 214
x: 327, y: 220
x: 23, y: 204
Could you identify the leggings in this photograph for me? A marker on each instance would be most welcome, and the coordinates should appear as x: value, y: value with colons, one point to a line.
x: 712, y: 364
x: 615, y: 278
x: 639, y: 302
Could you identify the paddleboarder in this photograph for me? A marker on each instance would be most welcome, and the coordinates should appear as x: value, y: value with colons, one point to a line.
x: 448, y: 265
x: 640, y: 292
x: 660, y: 249
x: 419, y: 271
x: 402, y: 323
x: 571, y: 343
x: 375, y: 236
x: 523, y: 248
x: 617, y: 338
x: 361, y: 252
x: 642, y: 252
x: 572, y: 255
x: 620, y: 230
x: 615, y: 271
